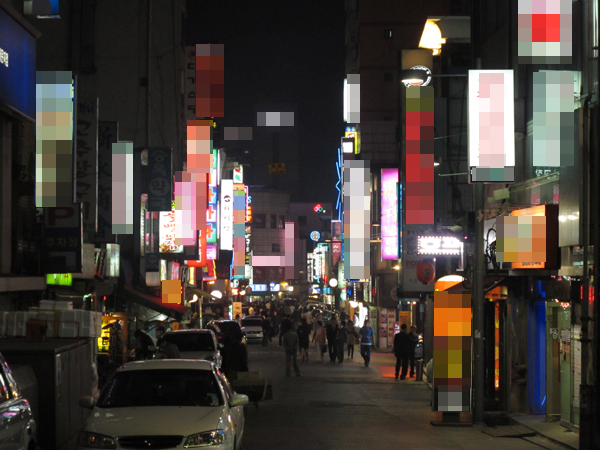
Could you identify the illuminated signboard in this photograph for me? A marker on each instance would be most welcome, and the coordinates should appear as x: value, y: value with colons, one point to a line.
x: 238, y: 175
x: 226, y: 230
x: 315, y: 235
x: 439, y: 245
x: 491, y: 126
x: 167, y: 223
x: 259, y: 288
x: 211, y: 215
x: 248, y: 214
x: 61, y: 279
x: 528, y: 239
x: 389, y: 213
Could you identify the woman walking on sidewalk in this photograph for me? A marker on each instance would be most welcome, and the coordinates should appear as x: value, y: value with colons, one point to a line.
x: 352, y: 335
x: 320, y: 338
x: 303, y: 339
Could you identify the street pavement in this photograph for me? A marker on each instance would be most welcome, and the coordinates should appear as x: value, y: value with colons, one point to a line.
x: 349, y: 406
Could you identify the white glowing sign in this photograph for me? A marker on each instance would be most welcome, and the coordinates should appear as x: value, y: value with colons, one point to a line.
x: 226, y: 230
x: 169, y: 221
x: 439, y: 245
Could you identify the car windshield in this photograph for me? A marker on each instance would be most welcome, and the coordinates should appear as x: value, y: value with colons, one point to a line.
x: 251, y: 323
x: 166, y: 387
x: 191, y: 342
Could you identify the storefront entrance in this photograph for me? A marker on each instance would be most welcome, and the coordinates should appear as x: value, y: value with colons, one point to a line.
x: 495, y: 319
x: 558, y: 360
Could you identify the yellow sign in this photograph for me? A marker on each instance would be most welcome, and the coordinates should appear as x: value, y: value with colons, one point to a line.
x: 404, y: 317
x: 351, y: 132
x: 237, y: 310
x: 276, y: 168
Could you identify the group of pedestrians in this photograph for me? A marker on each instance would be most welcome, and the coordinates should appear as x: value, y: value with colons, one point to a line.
x: 404, y: 350
x: 334, y: 338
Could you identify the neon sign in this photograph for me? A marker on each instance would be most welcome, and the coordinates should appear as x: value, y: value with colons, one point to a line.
x: 389, y: 213
x: 439, y: 245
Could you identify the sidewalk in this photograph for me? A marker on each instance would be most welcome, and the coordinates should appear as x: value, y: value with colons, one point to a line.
x: 552, y: 431
x: 349, y: 406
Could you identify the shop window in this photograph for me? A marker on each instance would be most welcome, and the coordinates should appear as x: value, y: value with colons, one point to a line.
x: 275, y: 248
x: 281, y: 222
x: 273, y: 220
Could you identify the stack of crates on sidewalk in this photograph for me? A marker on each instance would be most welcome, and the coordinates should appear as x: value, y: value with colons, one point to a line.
x: 253, y: 385
x: 61, y: 321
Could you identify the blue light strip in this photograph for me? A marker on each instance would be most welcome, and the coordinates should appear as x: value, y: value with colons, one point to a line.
x: 339, y: 168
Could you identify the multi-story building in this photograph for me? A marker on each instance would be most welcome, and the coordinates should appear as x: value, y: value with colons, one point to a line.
x: 382, y: 40
x: 122, y: 58
x: 545, y: 364
x: 270, y: 212
x: 21, y: 278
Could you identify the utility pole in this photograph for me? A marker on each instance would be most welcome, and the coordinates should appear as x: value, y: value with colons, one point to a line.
x: 477, y: 295
x: 477, y: 302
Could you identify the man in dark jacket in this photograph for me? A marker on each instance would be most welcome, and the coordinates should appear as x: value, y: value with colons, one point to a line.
x: 332, y: 332
x: 342, y: 338
x: 402, y: 346
x: 284, y: 325
x: 144, y: 342
x: 266, y: 327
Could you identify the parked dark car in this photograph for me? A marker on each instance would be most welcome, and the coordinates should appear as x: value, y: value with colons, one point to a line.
x: 223, y: 327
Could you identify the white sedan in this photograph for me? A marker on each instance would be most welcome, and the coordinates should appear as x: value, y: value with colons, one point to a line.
x: 165, y: 404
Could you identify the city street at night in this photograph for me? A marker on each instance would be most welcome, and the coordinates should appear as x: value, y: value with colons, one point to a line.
x: 196, y: 196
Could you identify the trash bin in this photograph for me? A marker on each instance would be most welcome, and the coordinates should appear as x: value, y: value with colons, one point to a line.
x: 420, y: 370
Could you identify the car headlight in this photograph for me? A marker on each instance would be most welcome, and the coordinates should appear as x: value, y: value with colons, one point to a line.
x: 205, y: 439
x: 94, y: 440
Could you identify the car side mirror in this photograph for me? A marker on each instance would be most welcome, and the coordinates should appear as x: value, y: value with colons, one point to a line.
x: 87, y: 402
x: 239, y: 400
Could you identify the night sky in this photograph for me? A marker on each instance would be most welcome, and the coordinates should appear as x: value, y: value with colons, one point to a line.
x: 278, y: 51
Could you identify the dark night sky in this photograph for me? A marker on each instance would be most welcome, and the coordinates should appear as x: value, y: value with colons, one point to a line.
x: 278, y: 51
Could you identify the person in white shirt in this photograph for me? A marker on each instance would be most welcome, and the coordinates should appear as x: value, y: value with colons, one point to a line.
x: 251, y: 311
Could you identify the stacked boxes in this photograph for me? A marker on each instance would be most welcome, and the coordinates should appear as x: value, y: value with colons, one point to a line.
x: 60, y: 321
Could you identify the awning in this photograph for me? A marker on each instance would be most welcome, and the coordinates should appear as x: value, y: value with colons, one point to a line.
x: 190, y: 291
x: 489, y: 286
x: 173, y: 310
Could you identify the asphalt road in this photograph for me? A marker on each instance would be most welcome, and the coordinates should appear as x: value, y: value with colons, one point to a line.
x: 348, y: 406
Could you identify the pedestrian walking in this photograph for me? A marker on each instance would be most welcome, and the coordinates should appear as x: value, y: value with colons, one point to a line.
x: 303, y: 339
x: 266, y: 327
x: 143, y: 344
x: 331, y: 331
x: 285, y: 324
x: 352, y: 336
x: 366, y: 341
x: 319, y: 337
x: 235, y: 354
x: 402, y: 344
x: 342, y: 338
x: 290, y: 345
x: 414, y: 339
x: 167, y: 350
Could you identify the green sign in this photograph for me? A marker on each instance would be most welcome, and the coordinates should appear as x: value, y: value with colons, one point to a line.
x: 62, y: 279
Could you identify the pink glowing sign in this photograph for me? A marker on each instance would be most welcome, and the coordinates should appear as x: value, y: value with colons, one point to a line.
x: 389, y: 213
